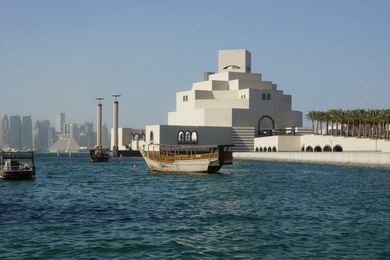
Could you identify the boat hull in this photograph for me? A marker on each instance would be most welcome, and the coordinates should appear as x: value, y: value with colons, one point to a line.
x: 201, y: 165
x: 17, y: 175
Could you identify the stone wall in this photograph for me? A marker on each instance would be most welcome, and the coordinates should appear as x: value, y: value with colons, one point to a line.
x: 358, y: 158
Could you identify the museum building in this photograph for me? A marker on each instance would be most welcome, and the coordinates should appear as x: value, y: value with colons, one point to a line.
x: 232, y: 106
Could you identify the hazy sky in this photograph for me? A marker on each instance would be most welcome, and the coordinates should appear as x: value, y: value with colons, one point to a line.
x: 57, y: 56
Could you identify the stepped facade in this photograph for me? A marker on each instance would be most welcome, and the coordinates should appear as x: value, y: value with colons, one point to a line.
x: 232, y: 106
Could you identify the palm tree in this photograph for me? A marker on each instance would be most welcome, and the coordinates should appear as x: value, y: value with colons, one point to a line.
x: 321, y: 119
x: 359, y: 116
x: 338, y: 120
x: 317, y: 117
x: 332, y: 118
x: 372, y: 123
x: 373, y: 120
x: 365, y: 120
x: 349, y: 120
x: 311, y: 116
x: 387, y: 125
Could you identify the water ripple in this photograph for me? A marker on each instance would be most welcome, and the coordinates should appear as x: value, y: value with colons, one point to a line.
x: 252, y: 210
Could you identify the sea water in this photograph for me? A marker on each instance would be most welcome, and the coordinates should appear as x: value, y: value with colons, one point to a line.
x: 76, y: 209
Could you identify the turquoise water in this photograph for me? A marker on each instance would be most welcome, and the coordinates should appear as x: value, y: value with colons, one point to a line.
x: 252, y: 210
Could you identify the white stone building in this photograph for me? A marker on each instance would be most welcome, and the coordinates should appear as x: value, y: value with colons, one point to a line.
x: 128, y: 139
x: 232, y: 106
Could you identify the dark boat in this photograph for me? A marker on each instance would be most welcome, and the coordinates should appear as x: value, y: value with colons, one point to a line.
x: 99, y: 155
x: 17, y: 165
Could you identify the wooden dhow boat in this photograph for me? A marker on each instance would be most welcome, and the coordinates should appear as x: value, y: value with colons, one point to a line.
x: 17, y: 165
x: 187, y: 158
x: 99, y: 155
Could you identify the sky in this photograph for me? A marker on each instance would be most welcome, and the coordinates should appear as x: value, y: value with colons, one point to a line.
x: 57, y: 56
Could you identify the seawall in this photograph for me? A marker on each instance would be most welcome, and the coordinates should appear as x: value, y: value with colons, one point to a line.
x: 372, y: 159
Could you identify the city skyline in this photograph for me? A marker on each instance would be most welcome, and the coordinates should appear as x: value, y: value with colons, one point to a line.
x: 19, y: 132
x: 58, y: 56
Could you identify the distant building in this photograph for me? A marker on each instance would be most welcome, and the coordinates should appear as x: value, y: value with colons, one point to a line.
x: 27, y: 135
x: 128, y: 138
x: 4, y: 128
x: 74, y: 131
x: 52, y: 136
x: 60, y: 123
x: 232, y: 106
x: 87, y: 135
x: 41, y: 135
x: 15, y: 132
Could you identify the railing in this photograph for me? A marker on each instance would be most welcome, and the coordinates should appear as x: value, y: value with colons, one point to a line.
x: 16, y: 168
x: 171, y: 157
x: 17, y: 155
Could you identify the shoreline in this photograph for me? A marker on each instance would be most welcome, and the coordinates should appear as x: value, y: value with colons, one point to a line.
x: 368, y: 159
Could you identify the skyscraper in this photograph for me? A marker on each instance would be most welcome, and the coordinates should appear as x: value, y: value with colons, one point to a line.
x: 41, y: 135
x: 74, y: 131
x: 27, y: 136
x: 4, y: 128
x: 52, y: 136
x: 87, y: 136
x: 60, y: 123
x: 15, y: 132
x: 106, y: 142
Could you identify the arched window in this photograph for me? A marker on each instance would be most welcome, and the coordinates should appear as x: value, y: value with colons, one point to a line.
x: 261, y: 149
x: 309, y: 149
x: 136, y: 137
x: 231, y: 67
x: 337, y: 148
x: 184, y: 98
x: 180, y: 137
x: 151, y: 136
x: 187, y: 137
x: 269, y: 149
x: 327, y: 148
x: 317, y: 149
x: 257, y: 149
x: 274, y: 149
x: 194, y: 137
x: 268, y: 96
x: 263, y: 96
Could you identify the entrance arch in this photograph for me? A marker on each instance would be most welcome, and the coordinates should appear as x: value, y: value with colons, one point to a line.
x: 265, y: 126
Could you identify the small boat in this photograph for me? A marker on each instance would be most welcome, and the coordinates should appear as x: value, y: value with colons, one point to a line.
x: 99, y: 155
x: 17, y: 165
x: 187, y: 158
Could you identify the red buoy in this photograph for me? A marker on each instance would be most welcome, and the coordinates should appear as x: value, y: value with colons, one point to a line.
x: 135, y: 166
